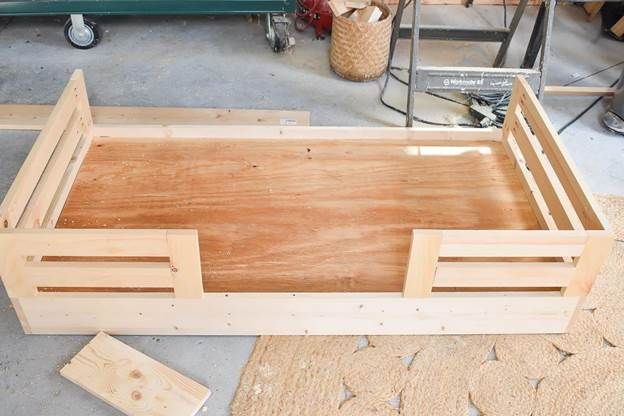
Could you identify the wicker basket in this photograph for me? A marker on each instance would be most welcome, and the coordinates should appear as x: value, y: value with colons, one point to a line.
x: 359, y: 50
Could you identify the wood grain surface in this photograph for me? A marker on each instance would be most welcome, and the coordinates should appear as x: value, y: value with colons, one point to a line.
x: 298, y: 215
x: 133, y: 382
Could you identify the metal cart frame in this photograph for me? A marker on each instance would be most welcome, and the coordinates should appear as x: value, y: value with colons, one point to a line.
x: 83, y: 34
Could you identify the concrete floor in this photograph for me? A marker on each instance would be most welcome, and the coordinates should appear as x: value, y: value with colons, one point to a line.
x: 225, y: 62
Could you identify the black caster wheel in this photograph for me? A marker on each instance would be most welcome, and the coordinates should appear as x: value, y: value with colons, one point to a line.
x: 82, y: 38
x: 277, y: 32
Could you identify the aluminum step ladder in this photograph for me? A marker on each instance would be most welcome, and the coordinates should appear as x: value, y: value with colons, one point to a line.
x: 467, y: 79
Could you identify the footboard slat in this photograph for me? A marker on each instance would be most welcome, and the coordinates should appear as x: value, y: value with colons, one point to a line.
x: 501, y: 274
x: 100, y: 274
x: 521, y: 243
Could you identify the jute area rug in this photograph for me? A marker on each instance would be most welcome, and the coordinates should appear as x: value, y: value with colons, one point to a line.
x: 579, y: 373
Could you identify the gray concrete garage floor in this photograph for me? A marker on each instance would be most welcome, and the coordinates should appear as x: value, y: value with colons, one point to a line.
x: 225, y: 62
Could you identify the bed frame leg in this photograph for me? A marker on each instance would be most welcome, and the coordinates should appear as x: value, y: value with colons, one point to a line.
x: 597, y: 249
x: 422, y: 263
x: 185, y: 263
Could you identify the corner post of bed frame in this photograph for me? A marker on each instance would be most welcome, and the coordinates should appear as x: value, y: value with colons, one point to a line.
x: 514, y: 102
x: 83, y: 99
x: 16, y: 281
x: 13, y: 278
x: 588, y: 264
x: 422, y: 263
x: 185, y: 263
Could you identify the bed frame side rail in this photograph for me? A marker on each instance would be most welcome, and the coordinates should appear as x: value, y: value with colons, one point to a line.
x: 173, y: 260
x: 552, y: 181
x: 36, y: 192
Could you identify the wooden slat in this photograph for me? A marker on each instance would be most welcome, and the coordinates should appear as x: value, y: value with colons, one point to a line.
x: 301, y: 314
x: 592, y: 8
x: 65, y: 185
x: 43, y: 195
x: 28, y: 176
x: 584, y: 204
x: 529, y: 185
x: 132, y: 382
x: 549, y: 185
x: 421, y: 264
x: 440, y: 136
x: 99, y: 274
x: 503, y: 274
x: 618, y: 28
x: 504, y: 243
x: 185, y: 263
x: 90, y: 243
x: 588, y: 265
x: 33, y: 117
x: 579, y: 91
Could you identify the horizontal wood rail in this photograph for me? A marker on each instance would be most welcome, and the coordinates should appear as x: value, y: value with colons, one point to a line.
x: 34, y: 117
x: 427, y: 269
x: 572, y: 90
x: 31, y: 196
x: 23, y: 275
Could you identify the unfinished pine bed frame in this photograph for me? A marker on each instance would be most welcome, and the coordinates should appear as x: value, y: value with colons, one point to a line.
x: 320, y: 244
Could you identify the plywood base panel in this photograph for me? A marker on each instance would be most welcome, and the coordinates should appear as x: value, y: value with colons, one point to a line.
x: 298, y: 215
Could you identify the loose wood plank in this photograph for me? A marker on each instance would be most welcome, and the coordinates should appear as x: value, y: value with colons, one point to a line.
x: 579, y: 91
x: 133, y: 382
x: 618, y: 28
x: 34, y: 117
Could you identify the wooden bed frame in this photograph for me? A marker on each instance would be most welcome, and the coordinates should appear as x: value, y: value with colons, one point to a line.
x: 456, y: 281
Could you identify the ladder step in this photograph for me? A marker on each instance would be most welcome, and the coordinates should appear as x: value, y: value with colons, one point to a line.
x: 437, y: 78
x: 452, y: 33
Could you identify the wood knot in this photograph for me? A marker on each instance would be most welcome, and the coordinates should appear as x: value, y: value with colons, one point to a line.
x: 136, y: 374
x: 136, y: 395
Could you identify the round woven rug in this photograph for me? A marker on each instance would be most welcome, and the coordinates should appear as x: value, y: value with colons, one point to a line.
x: 580, y: 373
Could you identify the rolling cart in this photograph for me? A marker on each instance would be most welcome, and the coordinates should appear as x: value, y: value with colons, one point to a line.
x: 83, y: 33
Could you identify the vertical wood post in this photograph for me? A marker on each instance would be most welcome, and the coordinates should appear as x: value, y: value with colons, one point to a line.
x: 514, y: 102
x: 16, y: 282
x: 422, y: 263
x: 595, y: 253
x: 185, y: 263
x: 83, y: 99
